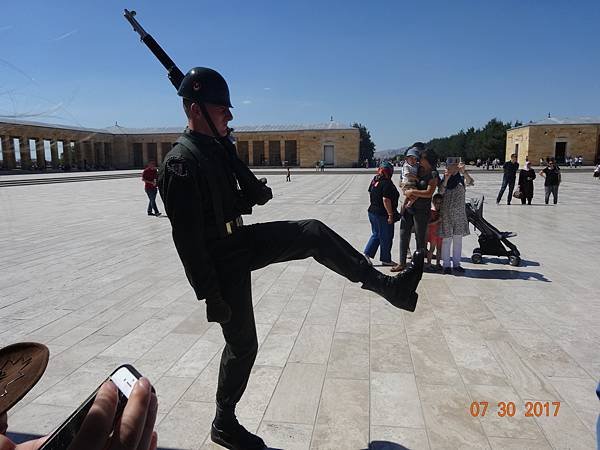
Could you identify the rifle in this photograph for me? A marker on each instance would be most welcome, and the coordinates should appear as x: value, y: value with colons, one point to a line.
x: 255, y: 191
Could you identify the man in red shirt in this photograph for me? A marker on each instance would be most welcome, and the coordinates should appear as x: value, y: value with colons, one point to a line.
x: 149, y: 177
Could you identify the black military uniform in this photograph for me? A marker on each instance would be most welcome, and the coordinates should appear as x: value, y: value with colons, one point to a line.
x: 205, y: 191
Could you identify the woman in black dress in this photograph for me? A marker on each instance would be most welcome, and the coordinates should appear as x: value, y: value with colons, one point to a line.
x: 526, y: 177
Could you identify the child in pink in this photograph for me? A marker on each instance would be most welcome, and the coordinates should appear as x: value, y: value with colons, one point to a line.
x: 433, y: 239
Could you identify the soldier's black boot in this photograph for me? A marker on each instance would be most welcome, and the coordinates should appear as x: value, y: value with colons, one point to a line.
x: 227, y: 432
x: 399, y: 290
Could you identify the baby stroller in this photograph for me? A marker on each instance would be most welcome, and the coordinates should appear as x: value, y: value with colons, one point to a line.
x: 491, y: 240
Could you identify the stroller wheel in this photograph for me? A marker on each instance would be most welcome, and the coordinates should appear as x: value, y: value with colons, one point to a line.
x: 476, y: 258
x: 514, y: 260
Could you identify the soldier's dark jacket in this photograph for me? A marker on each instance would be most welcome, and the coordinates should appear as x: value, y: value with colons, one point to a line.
x: 185, y: 183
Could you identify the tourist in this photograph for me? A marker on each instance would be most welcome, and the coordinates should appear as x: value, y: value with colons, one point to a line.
x: 418, y: 215
x: 552, y: 176
x: 508, y: 179
x: 454, y: 225
x: 149, y: 177
x: 526, y: 177
x: 288, y: 175
x: 433, y: 237
x: 382, y: 214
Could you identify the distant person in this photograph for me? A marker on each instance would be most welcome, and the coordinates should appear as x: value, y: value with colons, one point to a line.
x: 288, y: 175
x: 322, y: 165
x: 317, y: 165
x: 580, y: 161
x: 383, y: 214
x: 597, y: 172
x: 552, y: 176
x: 150, y: 177
x: 508, y: 179
x: 366, y: 163
x: 526, y: 177
x: 542, y: 162
x: 454, y: 225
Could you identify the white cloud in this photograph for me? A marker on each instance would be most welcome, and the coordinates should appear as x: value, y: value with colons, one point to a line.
x: 64, y: 36
x: 267, y: 89
x: 247, y: 102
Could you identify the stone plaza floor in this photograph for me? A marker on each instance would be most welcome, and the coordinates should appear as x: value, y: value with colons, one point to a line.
x: 85, y: 271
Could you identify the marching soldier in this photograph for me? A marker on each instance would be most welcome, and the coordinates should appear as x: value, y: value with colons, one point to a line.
x: 205, y: 189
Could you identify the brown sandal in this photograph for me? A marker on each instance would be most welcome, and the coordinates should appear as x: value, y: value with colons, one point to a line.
x: 398, y: 268
x: 21, y: 367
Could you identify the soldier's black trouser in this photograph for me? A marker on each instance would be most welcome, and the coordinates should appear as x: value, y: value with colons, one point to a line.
x: 253, y: 247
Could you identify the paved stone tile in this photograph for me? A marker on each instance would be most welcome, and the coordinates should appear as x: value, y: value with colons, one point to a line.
x: 313, y: 344
x: 449, y: 423
x: 343, y: 418
x: 389, y: 438
x: 296, y: 397
x: 288, y: 436
x: 395, y: 400
x: 349, y: 356
x: 99, y: 299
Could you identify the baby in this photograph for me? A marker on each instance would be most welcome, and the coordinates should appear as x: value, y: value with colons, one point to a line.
x: 409, y: 175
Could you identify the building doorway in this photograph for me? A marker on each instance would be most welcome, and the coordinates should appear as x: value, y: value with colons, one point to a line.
x: 560, y: 151
x: 328, y: 152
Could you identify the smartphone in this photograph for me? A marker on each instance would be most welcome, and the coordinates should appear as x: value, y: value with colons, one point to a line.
x: 124, y: 377
x: 453, y: 160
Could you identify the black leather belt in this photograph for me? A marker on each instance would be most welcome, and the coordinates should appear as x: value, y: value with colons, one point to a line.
x: 232, y: 226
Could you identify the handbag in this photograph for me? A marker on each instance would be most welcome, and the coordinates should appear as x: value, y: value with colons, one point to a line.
x: 517, y: 194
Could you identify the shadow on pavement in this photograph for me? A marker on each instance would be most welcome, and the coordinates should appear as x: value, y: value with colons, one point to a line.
x: 385, y: 445
x: 503, y: 274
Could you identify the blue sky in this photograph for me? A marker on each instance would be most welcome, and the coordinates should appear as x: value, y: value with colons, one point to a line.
x: 407, y: 70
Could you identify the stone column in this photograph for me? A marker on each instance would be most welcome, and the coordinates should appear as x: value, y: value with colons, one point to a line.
x: 54, y: 154
x: 282, y: 151
x: 78, y: 154
x: 99, y: 153
x: 250, y: 152
x: 66, y: 152
x: 40, y: 154
x: 25, y: 153
x: 90, y: 154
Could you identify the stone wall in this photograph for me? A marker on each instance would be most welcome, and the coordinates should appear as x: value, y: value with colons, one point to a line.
x: 94, y: 149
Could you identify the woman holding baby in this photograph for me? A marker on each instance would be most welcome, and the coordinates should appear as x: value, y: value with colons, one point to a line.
x: 418, y: 202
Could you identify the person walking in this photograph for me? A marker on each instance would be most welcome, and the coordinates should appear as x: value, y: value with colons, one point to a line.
x: 206, y: 188
x: 417, y: 216
x: 383, y: 212
x: 454, y: 225
x: 526, y: 177
x: 149, y: 177
x: 288, y: 175
x: 508, y: 179
x: 552, y: 179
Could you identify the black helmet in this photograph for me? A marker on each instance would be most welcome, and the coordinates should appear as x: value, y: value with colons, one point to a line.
x: 202, y: 84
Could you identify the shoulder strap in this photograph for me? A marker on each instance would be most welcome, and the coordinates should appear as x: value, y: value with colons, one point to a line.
x: 203, y: 164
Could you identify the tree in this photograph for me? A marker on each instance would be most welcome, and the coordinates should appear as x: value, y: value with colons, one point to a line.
x: 486, y: 142
x: 367, y: 146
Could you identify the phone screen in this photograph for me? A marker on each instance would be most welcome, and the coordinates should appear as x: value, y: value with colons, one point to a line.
x: 123, y: 377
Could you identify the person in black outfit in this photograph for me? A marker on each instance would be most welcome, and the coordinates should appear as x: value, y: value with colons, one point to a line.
x: 383, y: 212
x: 552, y: 180
x: 205, y: 188
x: 510, y: 175
x: 526, y: 177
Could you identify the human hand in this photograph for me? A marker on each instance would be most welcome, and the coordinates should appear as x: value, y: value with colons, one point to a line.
x: 217, y: 310
x: 390, y: 219
x: 133, y: 431
x: 410, y: 194
x: 461, y: 167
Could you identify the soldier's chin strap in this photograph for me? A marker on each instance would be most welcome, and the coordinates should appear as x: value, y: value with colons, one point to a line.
x: 254, y: 189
